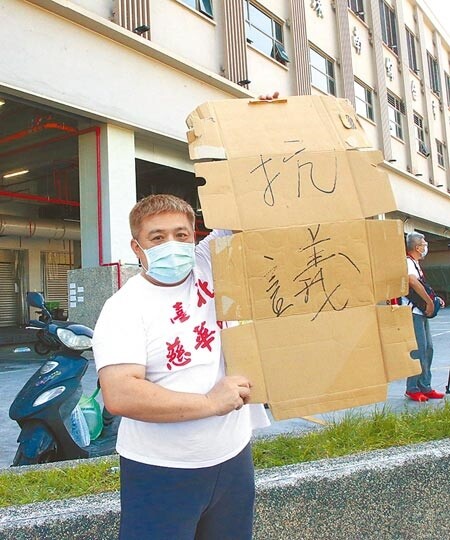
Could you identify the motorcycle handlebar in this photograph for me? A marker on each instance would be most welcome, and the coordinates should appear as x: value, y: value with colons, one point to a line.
x: 36, y: 325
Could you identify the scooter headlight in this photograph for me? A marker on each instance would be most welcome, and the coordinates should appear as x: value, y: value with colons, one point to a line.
x: 48, y: 395
x: 48, y: 366
x: 73, y: 341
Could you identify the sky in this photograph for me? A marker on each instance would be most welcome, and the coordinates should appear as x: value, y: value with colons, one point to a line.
x: 441, y: 9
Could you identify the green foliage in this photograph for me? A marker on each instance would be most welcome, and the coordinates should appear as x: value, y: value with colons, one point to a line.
x: 59, y: 483
x: 352, y: 434
x: 356, y: 433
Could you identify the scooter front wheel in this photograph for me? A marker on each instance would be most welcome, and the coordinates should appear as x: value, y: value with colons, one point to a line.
x: 41, y: 348
x: 21, y: 458
x: 36, y: 445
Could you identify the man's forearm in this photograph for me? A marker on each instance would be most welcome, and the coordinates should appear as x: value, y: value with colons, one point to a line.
x: 127, y: 393
x: 420, y: 290
x: 142, y: 400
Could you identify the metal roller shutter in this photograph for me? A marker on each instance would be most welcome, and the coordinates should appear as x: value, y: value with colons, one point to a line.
x: 55, y: 266
x: 8, y: 295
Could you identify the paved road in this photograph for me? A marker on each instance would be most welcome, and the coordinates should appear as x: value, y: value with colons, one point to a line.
x: 17, y: 367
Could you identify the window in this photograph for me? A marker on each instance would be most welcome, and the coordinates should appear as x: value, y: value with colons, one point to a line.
x: 433, y: 71
x: 420, y: 136
x: 388, y: 26
x: 204, y: 6
x: 264, y: 33
x: 396, y: 113
x: 440, y: 153
x: 364, y: 100
x: 447, y: 87
x: 412, y: 55
x: 322, y: 72
x: 357, y: 7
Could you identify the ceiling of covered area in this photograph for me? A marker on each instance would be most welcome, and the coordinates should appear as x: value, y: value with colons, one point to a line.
x: 155, y: 178
x: 43, y: 142
x: 435, y: 242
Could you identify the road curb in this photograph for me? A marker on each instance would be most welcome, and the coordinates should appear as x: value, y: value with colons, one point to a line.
x: 394, y: 493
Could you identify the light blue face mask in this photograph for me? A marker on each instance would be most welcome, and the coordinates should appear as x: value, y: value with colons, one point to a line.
x: 170, y: 262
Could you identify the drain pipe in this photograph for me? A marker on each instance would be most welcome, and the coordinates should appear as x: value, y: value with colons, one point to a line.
x: 96, y: 130
x: 38, y: 125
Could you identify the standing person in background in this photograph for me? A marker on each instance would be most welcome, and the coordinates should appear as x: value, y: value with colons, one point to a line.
x: 418, y: 387
x: 185, y: 459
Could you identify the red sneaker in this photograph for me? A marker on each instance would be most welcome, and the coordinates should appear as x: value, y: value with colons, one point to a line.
x: 432, y: 394
x: 417, y: 396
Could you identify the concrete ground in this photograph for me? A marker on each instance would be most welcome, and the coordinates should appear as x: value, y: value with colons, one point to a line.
x: 16, y: 367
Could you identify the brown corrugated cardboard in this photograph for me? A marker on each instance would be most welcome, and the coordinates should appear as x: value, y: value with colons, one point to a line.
x: 269, y: 273
x: 272, y: 190
x: 298, y: 178
x: 344, y: 359
x: 237, y: 128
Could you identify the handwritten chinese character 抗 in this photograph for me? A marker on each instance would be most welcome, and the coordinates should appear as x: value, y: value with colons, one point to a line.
x: 176, y: 354
x: 273, y: 169
x: 314, y: 273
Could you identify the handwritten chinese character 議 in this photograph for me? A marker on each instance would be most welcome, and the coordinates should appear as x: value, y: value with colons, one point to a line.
x: 204, y: 336
x: 176, y: 354
x: 278, y: 302
x: 314, y: 272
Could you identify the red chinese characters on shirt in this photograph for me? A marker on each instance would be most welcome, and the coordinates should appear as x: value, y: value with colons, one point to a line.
x: 204, y: 337
x: 176, y: 354
x: 203, y: 292
x: 180, y: 314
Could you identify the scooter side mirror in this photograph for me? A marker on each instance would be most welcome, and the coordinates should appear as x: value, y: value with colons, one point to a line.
x: 35, y: 299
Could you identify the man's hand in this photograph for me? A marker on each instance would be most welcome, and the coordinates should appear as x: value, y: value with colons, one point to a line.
x: 430, y: 307
x: 229, y: 394
x: 269, y: 97
x: 441, y: 302
x: 420, y: 290
x: 126, y: 392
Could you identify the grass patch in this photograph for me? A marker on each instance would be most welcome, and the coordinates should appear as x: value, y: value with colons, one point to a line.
x: 59, y: 483
x: 356, y: 433
x: 353, y: 434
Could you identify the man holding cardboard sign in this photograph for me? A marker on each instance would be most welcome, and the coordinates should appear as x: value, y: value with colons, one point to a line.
x: 186, y: 466
x: 298, y: 181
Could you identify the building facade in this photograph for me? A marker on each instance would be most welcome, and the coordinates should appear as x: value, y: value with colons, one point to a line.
x: 94, y: 95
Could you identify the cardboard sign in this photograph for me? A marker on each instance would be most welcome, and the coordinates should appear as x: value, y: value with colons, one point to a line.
x: 270, y: 190
x: 298, y: 179
x: 270, y: 273
x: 342, y: 360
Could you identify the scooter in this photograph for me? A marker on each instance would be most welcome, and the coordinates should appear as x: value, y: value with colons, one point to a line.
x: 46, y: 408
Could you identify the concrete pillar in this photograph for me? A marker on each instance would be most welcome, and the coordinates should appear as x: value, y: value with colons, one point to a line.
x: 33, y: 259
x: 118, y: 190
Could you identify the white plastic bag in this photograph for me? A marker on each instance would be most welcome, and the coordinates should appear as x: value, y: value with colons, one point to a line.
x: 79, y: 428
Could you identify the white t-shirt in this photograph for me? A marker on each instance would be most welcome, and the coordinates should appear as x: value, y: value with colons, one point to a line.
x: 412, y: 270
x: 173, y: 331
